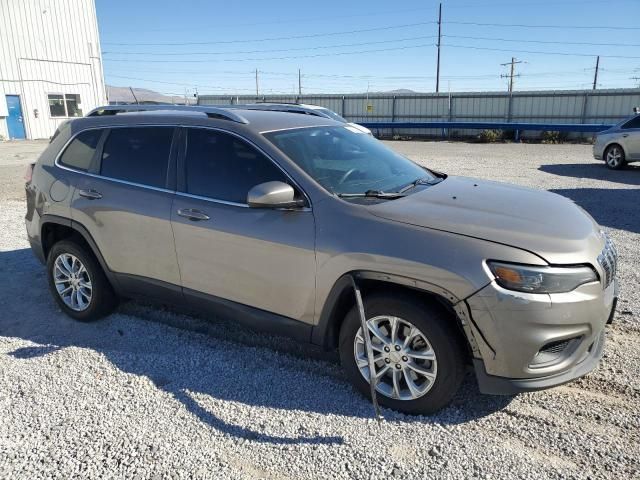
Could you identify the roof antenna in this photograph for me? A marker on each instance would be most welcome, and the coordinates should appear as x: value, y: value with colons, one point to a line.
x: 373, y: 381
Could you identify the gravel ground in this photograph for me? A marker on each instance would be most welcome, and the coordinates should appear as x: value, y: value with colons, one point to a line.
x: 153, y: 393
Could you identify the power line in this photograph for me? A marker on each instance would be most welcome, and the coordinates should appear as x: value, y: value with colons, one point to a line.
x: 272, y: 58
x: 311, y: 35
x: 521, y: 25
x: 546, y: 41
x: 291, y: 20
x: 423, y: 37
x: 540, y: 53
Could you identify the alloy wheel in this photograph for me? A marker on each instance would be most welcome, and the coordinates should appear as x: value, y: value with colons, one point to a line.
x: 614, y: 157
x: 405, y: 363
x: 72, y: 282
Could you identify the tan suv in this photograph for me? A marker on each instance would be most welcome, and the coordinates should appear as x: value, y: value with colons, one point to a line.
x: 267, y: 217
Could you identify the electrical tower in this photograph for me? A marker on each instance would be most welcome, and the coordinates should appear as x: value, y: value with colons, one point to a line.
x: 512, y: 73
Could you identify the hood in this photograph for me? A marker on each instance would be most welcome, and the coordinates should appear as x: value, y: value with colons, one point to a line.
x: 360, y: 128
x: 544, y: 223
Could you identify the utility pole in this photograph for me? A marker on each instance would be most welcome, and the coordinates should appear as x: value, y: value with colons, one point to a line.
x: 134, y: 96
x: 257, y: 89
x: 512, y: 74
x: 299, y: 83
x: 595, y: 76
x: 439, y: 42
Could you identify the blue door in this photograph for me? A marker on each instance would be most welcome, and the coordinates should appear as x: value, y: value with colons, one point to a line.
x: 15, y: 121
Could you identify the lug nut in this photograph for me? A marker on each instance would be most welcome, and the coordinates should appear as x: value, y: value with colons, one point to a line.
x: 398, y: 366
x: 386, y: 360
x: 397, y: 348
x: 405, y: 359
x: 386, y: 349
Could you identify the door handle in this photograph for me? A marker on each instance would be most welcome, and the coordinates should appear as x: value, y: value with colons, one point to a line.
x: 192, y: 214
x: 90, y: 194
x: 625, y: 135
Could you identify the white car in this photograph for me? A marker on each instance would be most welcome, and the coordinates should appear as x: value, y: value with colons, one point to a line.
x: 305, y: 109
x: 620, y: 144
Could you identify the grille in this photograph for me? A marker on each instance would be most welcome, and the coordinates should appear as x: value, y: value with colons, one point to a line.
x: 555, y: 347
x: 608, y: 260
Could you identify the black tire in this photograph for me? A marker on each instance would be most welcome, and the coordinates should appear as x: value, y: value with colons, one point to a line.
x: 103, y: 299
x: 439, y: 328
x: 612, y: 163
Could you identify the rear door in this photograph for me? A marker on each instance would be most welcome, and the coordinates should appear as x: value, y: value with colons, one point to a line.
x: 124, y: 201
x: 631, y: 138
x: 263, y: 258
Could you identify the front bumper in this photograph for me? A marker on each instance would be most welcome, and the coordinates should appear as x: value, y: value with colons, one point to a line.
x: 598, y: 151
x: 533, y: 341
x: 494, y: 385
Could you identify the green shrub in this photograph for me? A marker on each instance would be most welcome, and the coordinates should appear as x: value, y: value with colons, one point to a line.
x: 490, y: 136
x: 553, y: 137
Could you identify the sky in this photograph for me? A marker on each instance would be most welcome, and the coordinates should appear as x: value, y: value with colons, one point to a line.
x: 214, y: 47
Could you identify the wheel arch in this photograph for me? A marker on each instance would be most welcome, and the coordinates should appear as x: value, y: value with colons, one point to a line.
x: 341, y: 299
x: 617, y: 143
x: 54, y: 229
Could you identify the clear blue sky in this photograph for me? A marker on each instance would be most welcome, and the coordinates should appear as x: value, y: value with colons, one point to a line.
x: 214, y: 46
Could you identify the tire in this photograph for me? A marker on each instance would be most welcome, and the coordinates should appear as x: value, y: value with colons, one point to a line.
x: 95, y: 302
x: 614, y: 157
x: 437, y: 328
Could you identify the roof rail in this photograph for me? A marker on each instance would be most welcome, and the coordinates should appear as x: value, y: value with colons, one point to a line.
x: 211, y: 112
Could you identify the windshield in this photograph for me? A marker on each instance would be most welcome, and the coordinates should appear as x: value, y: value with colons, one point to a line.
x: 346, y: 161
x: 331, y: 114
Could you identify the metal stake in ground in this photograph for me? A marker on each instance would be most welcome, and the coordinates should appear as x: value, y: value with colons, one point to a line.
x: 373, y: 382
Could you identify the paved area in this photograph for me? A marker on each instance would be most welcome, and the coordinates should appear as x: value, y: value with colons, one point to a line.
x: 152, y: 393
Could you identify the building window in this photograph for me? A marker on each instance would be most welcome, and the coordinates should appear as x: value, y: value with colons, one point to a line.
x: 64, y: 105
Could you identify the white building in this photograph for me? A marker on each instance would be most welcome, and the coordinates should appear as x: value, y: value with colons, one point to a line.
x: 50, y: 65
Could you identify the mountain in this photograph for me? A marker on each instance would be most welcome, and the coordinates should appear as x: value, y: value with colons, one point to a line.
x: 142, y: 95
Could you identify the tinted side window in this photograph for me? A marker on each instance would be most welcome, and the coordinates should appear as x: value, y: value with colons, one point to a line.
x: 633, y: 123
x: 223, y: 167
x: 138, y: 155
x: 80, y: 151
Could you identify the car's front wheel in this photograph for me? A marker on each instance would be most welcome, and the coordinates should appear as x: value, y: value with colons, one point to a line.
x: 614, y: 157
x: 78, y: 283
x: 418, y: 357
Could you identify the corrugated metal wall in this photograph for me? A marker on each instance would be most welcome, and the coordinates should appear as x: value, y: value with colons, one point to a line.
x: 568, y: 106
x: 49, y: 47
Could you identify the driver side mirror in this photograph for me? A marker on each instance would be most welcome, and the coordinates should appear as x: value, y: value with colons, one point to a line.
x: 273, y: 195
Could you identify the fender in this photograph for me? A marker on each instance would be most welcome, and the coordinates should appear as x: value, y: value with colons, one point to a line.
x: 324, y: 333
x: 84, y: 233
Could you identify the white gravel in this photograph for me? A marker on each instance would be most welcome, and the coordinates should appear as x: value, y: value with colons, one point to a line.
x: 153, y: 393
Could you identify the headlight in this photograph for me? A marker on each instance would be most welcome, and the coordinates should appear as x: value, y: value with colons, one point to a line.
x: 532, y: 279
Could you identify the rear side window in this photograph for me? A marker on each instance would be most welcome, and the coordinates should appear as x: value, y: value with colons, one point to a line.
x: 80, y: 151
x: 224, y: 167
x: 138, y: 155
x: 633, y: 123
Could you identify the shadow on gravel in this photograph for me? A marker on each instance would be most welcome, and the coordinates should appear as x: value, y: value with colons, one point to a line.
x: 611, y: 207
x: 597, y: 171
x: 205, y: 373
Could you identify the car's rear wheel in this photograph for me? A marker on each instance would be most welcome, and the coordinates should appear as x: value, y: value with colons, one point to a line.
x: 78, y: 283
x: 418, y: 357
x: 614, y: 157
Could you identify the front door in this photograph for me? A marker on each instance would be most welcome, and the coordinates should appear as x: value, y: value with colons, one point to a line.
x: 262, y: 258
x: 15, y: 120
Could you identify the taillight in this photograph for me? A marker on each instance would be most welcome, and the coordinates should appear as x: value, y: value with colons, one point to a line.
x: 28, y: 175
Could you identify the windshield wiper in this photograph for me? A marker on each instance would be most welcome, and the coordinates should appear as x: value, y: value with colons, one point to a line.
x: 372, y: 194
x: 420, y: 181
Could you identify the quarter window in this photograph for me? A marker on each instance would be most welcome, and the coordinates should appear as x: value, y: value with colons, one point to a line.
x: 64, y: 105
x: 224, y: 167
x: 80, y: 151
x: 138, y: 155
